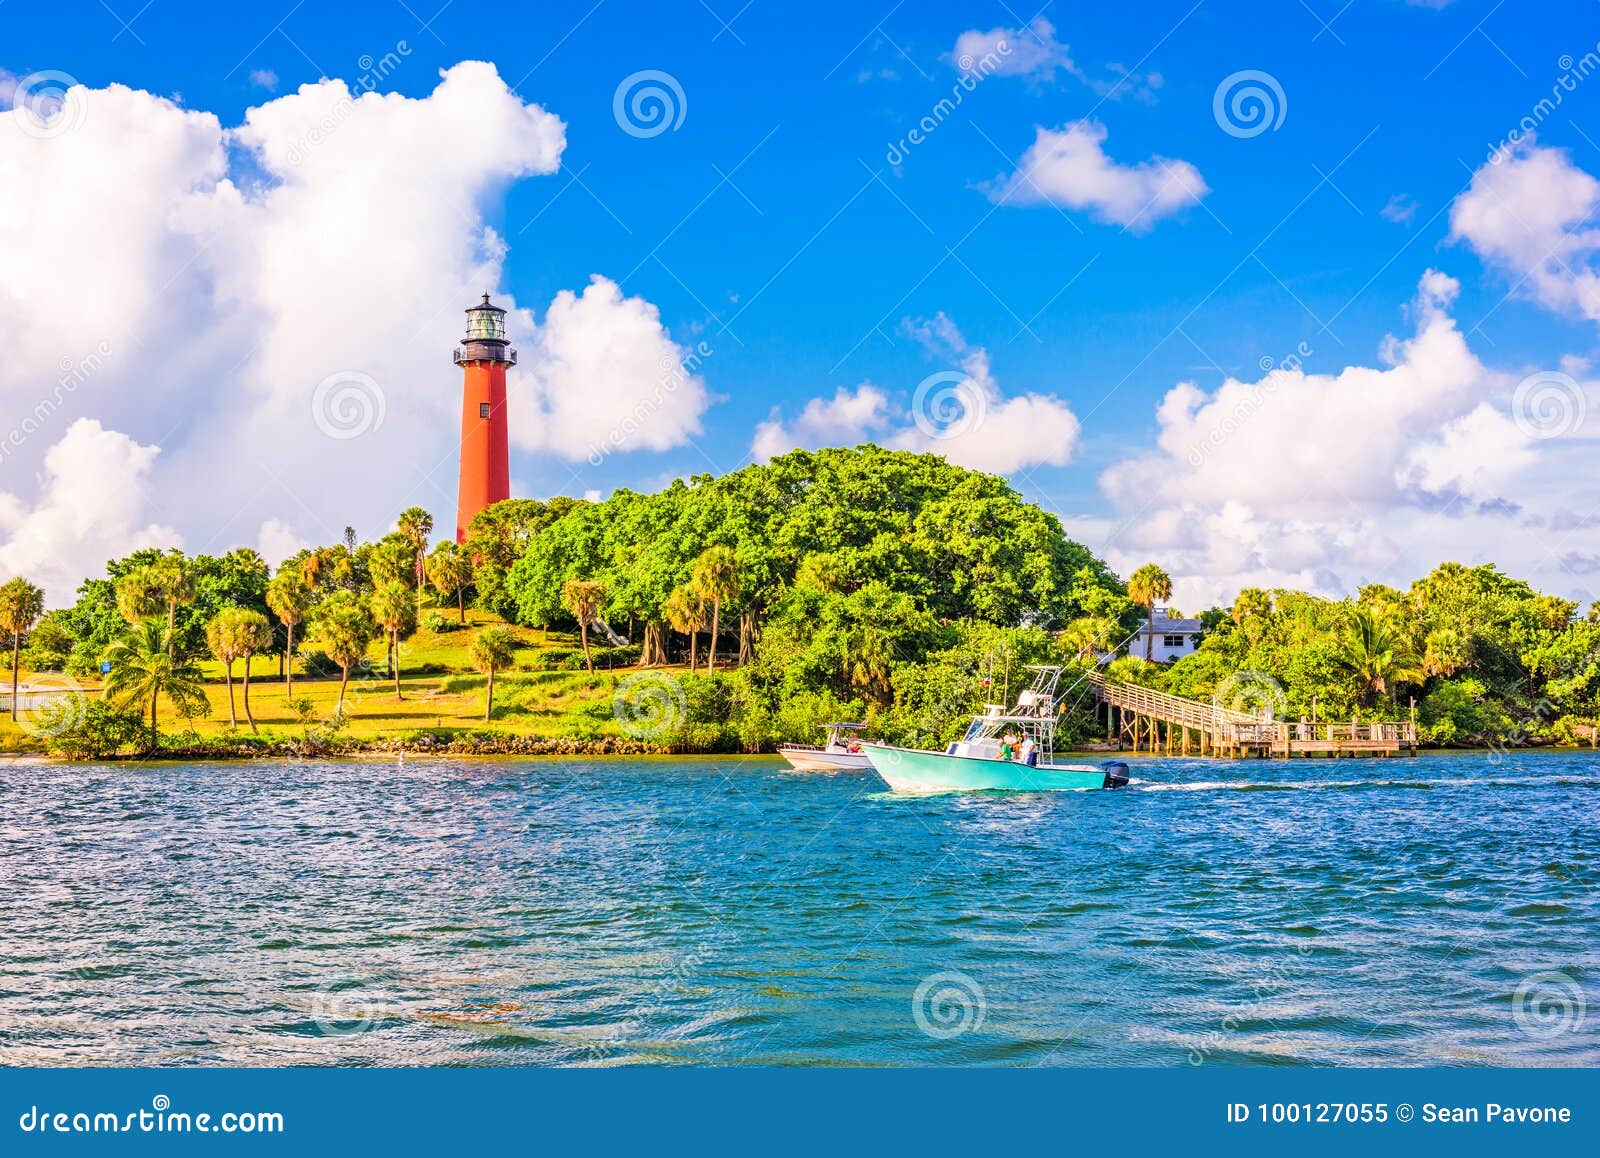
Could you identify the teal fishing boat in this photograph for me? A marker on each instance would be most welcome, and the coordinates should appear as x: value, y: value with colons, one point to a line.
x: 1004, y: 750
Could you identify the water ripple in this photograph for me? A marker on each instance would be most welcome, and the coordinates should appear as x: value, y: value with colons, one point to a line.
x: 1441, y: 910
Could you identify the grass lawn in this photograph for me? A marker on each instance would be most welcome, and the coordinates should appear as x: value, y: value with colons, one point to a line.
x: 450, y: 695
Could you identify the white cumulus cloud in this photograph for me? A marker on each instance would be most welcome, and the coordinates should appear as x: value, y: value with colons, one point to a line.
x: 1531, y: 214
x: 1029, y: 51
x: 1069, y: 167
x: 605, y: 376
x: 94, y: 501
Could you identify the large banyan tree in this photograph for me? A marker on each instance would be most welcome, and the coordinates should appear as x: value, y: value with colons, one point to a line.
x: 910, y: 529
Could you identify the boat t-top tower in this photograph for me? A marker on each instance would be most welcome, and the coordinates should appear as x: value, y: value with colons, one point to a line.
x: 483, y: 355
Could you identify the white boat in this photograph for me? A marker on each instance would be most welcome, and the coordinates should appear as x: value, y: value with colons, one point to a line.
x: 840, y: 753
x: 1003, y: 751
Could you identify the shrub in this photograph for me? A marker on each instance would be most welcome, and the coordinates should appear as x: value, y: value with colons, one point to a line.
x: 101, y: 731
x: 556, y: 658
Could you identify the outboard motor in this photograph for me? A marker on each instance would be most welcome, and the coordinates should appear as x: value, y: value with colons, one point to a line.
x: 1116, y: 773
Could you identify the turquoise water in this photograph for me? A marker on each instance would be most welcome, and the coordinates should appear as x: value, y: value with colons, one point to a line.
x: 1438, y: 910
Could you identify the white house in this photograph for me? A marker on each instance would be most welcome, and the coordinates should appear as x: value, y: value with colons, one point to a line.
x: 1169, y: 638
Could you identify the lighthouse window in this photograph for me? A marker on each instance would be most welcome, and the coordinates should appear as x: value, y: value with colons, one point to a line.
x: 483, y: 410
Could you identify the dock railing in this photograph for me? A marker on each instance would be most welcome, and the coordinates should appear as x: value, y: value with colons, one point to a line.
x: 1234, y: 730
x: 1178, y: 710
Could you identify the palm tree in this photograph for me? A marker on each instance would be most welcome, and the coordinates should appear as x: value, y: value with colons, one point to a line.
x: 290, y: 599
x: 1251, y: 603
x: 222, y: 637
x: 416, y: 525
x: 868, y: 661
x: 392, y: 610
x: 144, y: 668
x: 238, y: 633
x: 312, y: 567
x: 1150, y: 585
x: 138, y: 595
x: 255, y: 634
x: 1445, y: 652
x: 450, y: 570
x: 1377, y: 651
x: 491, y: 649
x: 21, y: 604
x: 583, y: 598
x: 1086, y: 639
x: 685, y: 612
x: 345, y: 630
x: 174, y: 584
x: 716, y: 576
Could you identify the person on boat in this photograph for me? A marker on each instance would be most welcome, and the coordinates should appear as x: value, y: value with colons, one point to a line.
x: 1028, y: 753
x: 1008, y: 746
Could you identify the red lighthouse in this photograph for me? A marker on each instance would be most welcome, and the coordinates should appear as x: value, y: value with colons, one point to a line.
x: 483, y: 356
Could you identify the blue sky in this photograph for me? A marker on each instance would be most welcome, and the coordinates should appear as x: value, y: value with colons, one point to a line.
x: 772, y: 225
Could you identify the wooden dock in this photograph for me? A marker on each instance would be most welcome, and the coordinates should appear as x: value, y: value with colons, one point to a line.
x: 1141, y: 719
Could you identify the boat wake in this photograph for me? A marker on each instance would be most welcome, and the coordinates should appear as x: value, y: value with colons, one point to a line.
x: 1141, y: 785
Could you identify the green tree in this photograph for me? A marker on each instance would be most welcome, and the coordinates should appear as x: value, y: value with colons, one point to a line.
x: 416, y: 524
x: 1087, y: 638
x: 391, y: 560
x: 174, y: 584
x: 450, y: 571
x: 685, y: 613
x: 290, y: 600
x: 1445, y: 652
x: 256, y: 636
x: 491, y: 650
x: 1376, y: 651
x: 138, y: 594
x: 222, y: 637
x: 583, y: 598
x: 716, y: 577
x: 237, y: 633
x: 394, y: 612
x: 1252, y: 603
x: 21, y: 604
x: 1148, y: 586
x: 144, y: 668
x: 343, y: 628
